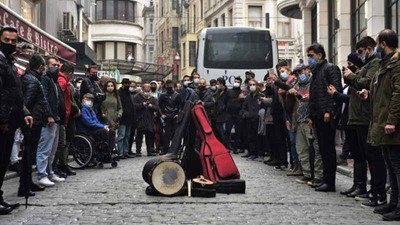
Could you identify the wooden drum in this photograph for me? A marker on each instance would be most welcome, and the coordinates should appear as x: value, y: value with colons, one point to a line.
x: 166, y: 176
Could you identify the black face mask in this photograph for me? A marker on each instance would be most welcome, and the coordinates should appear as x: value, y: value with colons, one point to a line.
x: 202, y: 88
x: 7, y: 49
x: 53, y: 71
x: 94, y: 77
x: 153, y: 89
x: 170, y: 89
x: 126, y: 88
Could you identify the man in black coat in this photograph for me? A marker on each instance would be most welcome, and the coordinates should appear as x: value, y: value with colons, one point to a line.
x: 36, y: 103
x: 90, y: 85
x: 323, y: 110
x: 170, y: 105
x: 146, y: 107
x: 249, y: 111
x: 12, y: 110
x: 233, y: 106
x: 126, y: 121
x: 220, y: 109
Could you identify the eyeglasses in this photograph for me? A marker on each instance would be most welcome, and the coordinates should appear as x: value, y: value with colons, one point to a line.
x: 310, y: 55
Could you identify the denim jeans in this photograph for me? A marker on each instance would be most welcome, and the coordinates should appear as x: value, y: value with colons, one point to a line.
x: 46, y: 150
x: 124, y: 132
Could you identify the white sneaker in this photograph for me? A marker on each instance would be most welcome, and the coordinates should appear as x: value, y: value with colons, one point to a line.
x: 57, y: 179
x: 45, y: 182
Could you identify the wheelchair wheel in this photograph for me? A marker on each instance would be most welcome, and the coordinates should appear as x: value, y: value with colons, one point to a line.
x: 81, y: 152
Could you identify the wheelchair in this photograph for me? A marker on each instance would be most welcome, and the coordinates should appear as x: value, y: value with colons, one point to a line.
x: 86, y: 152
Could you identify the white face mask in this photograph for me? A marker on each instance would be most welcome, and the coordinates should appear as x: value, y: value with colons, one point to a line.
x: 213, y: 88
x: 138, y: 89
x: 186, y: 83
x: 236, y: 85
x: 131, y: 89
x: 78, y: 85
x: 89, y: 103
x: 196, y: 81
x: 253, y: 89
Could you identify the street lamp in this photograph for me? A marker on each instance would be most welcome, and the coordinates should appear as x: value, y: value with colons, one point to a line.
x: 177, y: 58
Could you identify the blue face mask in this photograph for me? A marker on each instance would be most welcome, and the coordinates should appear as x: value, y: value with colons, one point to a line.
x: 303, y: 78
x: 284, y: 76
x: 377, y: 53
x: 312, y: 63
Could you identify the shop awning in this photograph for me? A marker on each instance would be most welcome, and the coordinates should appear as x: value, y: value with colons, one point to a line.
x: 36, y: 36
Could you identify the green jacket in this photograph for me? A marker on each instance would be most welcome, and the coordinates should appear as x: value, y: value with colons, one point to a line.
x: 385, y: 99
x: 360, y: 110
x: 111, y: 108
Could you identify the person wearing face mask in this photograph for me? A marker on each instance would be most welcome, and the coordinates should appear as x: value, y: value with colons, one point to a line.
x: 186, y: 91
x: 384, y: 129
x: 36, y: 103
x: 133, y: 90
x: 213, y: 86
x: 89, y: 124
x: 170, y: 105
x: 233, y: 106
x: 111, y: 107
x: 91, y: 85
x: 359, y: 117
x: 146, y: 106
x: 196, y: 80
x: 76, y: 89
x: 220, y: 110
x: 60, y: 161
x: 13, y: 113
x: 323, y: 109
x: 249, y: 111
x: 126, y: 121
x: 49, y: 138
x: 154, y: 89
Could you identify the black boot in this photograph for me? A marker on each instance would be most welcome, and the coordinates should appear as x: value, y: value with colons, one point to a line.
x: 8, y: 204
x: 387, y: 208
x: 67, y: 170
x: 392, y: 216
x: 356, y: 192
x: 5, y: 210
x: 348, y: 191
x: 325, y: 188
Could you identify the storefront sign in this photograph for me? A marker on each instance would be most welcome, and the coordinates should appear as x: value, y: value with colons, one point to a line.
x: 115, y: 74
x: 36, y: 36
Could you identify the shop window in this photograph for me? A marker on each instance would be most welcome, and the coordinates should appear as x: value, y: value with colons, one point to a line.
x: 359, y: 21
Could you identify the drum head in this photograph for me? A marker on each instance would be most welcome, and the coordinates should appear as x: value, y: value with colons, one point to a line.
x: 168, y: 178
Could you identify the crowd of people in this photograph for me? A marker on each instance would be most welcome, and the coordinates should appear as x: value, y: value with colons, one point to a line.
x: 288, y: 120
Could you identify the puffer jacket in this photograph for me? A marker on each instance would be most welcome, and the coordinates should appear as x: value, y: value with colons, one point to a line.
x: 323, y: 75
x: 385, y: 102
x: 360, y: 110
x: 34, y: 98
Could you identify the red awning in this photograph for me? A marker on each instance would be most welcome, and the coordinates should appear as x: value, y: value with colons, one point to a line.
x: 36, y: 36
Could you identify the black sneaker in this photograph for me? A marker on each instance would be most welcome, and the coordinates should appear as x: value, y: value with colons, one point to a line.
x: 15, y: 167
x: 364, y: 197
x: 252, y: 157
x: 392, y: 216
x: 303, y: 180
x: 375, y: 201
x: 386, y: 208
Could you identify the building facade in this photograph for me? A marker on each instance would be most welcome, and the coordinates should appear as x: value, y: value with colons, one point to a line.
x: 339, y: 24
x: 148, y: 40
x: 167, y: 25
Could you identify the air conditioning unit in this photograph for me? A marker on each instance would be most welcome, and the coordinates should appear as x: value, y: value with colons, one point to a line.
x: 68, y: 24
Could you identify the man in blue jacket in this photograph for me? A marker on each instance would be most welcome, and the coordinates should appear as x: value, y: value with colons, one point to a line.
x: 89, y: 124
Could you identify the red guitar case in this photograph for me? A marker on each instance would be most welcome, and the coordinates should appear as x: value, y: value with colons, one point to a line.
x: 216, y: 161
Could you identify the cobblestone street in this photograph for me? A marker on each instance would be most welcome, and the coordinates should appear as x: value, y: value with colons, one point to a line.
x: 117, y: 196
